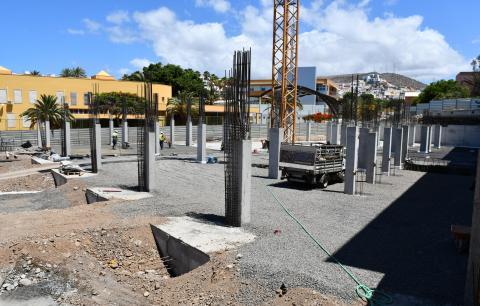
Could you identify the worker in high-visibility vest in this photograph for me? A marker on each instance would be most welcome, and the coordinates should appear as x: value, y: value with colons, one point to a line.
x: 162, y: 139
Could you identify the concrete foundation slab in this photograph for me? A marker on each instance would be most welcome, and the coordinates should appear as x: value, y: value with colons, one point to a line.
x: 351, y: 160
x: 100, y: 194
x: 61, y: 179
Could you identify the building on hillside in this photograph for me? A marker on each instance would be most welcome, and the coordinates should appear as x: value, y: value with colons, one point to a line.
x: 467, y: 78
x: 307, y: 78
x: 18, y: 92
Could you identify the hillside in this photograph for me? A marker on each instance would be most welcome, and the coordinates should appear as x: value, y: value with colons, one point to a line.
x: 392, y: 78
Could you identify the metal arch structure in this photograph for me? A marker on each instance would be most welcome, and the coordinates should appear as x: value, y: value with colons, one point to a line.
x: 333, y: 104
x: 284, y: 66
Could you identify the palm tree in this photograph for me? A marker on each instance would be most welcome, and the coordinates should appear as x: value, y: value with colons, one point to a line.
x: 137, y: 76
x: 35, y: 72
x: 177, y: 106
x: 47, y: 108
x: 75, y: 72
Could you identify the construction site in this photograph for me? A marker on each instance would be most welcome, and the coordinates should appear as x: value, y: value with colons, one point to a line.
x: 372, y: 206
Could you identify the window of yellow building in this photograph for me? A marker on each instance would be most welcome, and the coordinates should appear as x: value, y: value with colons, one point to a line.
x: 73, y: 98
x: 3, y: 96
x: 60, y: 97
x: 32, y: 96
x: 17, y: 96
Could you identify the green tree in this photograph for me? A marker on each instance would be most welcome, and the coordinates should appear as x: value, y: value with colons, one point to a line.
x: 443, y: 89
x: 112, y: 103
x: 47, y: 108
x: 181, y: 80
x: 177, y: 106
x: 75, y: 72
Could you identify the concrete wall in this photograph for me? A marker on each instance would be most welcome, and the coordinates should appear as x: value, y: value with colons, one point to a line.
x: 461, y: 135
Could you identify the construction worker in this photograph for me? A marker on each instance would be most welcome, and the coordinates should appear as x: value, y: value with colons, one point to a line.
x: 114, y: 139
x: 162, y: 139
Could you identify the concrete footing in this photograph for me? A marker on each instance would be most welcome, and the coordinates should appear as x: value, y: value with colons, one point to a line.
x: 61, y: 179
x: 101, y: 194
x: 387, y: 150
x: 275, y: 136
x: 239, y: 213
x: 202, y: 143
x: 351, y: 160
x: 425, y: 139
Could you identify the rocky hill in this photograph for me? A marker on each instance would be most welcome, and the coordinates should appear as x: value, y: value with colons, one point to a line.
x: 392, y: 78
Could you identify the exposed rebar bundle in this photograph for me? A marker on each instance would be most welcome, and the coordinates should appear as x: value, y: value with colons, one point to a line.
x: 201, y: 110
x: 150, y: 113
x: 236, y: 129
x: 93, y: 117
x: 63, y: 131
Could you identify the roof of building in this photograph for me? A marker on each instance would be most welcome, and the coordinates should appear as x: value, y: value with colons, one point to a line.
x: 103, y: 75
x: 4, y: 70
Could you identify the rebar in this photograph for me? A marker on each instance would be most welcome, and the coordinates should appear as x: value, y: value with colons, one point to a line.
x: 93, y: 118
x: 236, y: 128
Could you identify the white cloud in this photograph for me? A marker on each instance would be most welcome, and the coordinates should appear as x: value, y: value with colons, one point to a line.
x: 91, y: 25
x: 123, y: 71
x: 75, y: 32
x: 341, y: 39
x: 220, y: 6
x: 139, y: 63
x: 122, y: 35
x: 476, y: 41
x: 118, y: 17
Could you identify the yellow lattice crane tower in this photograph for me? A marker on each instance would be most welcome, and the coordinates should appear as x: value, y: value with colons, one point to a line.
x: 284, y: 66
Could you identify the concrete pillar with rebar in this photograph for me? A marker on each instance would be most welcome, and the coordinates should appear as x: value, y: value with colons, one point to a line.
x: 371, y: 157
x: 39, y: 134
x: 309, y: 131
x: 362, y: 148
x: 411, y: 135
x: 188, y: 129
x: 397, y: 143
x: 47, y: 134
x: 172, y: 130
x: 98, y: 147
x: 201, y: 142
x: 343, y: 135
x: 124, y: 134
x: 351, y: 160
x: 425, y: 139
x: 68, y: 139
x: 405, y: 137
x: 275, y: 141
x: 387, y: 150
x: 150, y: 143
x: 110, y: 130
x: 437, y: 136
x: 157, y: 137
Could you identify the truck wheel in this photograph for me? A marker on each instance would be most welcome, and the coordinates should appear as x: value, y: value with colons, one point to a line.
x: 323, y: 181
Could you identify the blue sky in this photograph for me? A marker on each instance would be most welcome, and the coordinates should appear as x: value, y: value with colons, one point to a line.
x: 425, y: 39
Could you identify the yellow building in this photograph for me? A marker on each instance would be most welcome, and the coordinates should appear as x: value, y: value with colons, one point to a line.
x: 19, y: 92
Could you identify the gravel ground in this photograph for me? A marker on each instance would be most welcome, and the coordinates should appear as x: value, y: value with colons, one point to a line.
x: 395, y: 237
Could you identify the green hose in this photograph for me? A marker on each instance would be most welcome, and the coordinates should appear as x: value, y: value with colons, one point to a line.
x: 371, y: 296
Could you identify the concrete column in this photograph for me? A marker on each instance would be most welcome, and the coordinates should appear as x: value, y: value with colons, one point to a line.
x: 397, y: 140
x: 405, y: 137
x: 149, y: 147
x: 47, y: 134
x: 98, y: 146
x: 238, y: 213
x: 437, y: 136
x: 387, y: 150
x: 275, y: 136
x: 343, y: 135
x: 124, y: 134
x: 202, y: 143
x: 381, y: 130
x: 430, y: 139
x: 110, y: 131
x: 411, y: 135
x: 68, y: 141
x: 351, y: 160
x: 309, y: 130
x: 472, y: 285
x: 335, y: 133
x: 371, y: 157
x: 329, y: 132
x: 39, y: 135
x: 172, y: 130
x: 188, y: 128
x: 425, y: 139
x: 362, y: 148
x: 157, y: 137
